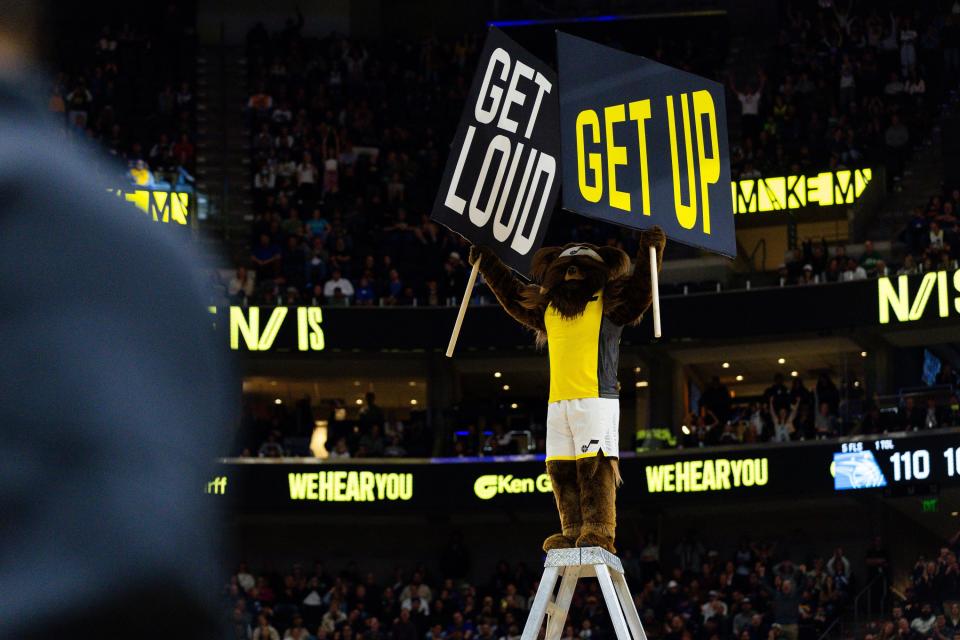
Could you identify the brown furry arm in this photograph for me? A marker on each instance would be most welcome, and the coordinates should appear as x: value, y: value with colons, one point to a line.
x: 506, y: 287
x: 625, y: 299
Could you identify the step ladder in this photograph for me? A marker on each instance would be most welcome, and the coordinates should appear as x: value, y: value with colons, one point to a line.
x: 571, y: 565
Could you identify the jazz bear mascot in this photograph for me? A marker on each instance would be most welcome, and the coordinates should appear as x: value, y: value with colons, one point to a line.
x: 581, y: 298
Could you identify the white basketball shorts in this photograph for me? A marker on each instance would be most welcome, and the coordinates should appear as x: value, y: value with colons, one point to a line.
x: 582, y: 428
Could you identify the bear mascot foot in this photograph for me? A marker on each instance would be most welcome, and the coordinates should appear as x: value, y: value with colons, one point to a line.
x: 596, y: 535
x: 559, y: 541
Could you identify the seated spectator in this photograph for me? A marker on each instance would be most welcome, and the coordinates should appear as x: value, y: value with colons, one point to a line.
x: 339, y: 450
x: 266, y: 256
x: 365, y: 293
x: 241, y: 285
x: 853, y: 271
x: 264, y: 630
x: 910, y: 416
x: 337, y: 281
x: 825, y: 424
x: 924, y: 622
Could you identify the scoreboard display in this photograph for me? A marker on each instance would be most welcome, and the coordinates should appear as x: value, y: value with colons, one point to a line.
x: 893, y: 461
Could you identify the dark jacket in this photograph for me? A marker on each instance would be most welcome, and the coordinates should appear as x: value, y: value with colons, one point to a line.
x: 113, y: 399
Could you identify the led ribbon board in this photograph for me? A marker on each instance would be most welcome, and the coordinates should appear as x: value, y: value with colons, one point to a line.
x: 162, y: 206
x: 786, y: 193
x: 258, y: 329
x: 935, y: 294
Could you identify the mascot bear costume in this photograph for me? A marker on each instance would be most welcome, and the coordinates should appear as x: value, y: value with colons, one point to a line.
x: 581, y: 298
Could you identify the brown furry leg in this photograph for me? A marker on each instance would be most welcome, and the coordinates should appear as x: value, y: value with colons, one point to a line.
x: 563, y: 477
x: 597, y: 477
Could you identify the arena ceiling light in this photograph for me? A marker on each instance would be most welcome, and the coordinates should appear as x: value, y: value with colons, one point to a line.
x: 506, y: 387
x: 725, y: 365
x: 278, y: 401
x: 739, y: 378
x: 863, y: 354
x: 359, y: 401
x: 413, y: 401
x: 412, y: 383
x: 685, y: 429
x: 514, y: 405
x: 794, y: 374
x: 781, y: 360
x: 497, y: 374
x: 642, y: 384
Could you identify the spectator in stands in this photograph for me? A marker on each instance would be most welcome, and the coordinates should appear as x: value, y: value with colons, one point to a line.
x: 911, y: 417
x: 778, y: 393
x: 338, y: 282
x: 784, y: 428
x: 241, y: 285
x: 838, y: 567
x: 264, y: 630
x: 870, y: 257
x: 932, y: 417
x: 266, y: 256
x: 924, y: 622
x: 340, y: 449
x: 854, y: 271
x: 786, y: 596
x: 825, y: 424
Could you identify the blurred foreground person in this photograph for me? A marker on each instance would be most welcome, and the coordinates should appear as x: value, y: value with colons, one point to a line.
x: 112, y: 393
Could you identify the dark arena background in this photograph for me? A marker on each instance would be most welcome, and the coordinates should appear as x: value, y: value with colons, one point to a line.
x: 262, y: 178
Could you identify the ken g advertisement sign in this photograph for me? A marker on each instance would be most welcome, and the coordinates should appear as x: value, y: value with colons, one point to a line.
x: 644, y: 144
x: 502, y: 177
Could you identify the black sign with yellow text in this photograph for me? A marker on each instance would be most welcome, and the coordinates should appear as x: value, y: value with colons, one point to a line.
x: 502, y: 180
x: 644, y: 144
x: 813, y: 469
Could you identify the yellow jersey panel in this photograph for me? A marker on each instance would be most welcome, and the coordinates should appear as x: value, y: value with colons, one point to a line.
x: 574, y: 357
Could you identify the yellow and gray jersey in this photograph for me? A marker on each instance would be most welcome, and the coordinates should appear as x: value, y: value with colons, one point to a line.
x: 584, y: 353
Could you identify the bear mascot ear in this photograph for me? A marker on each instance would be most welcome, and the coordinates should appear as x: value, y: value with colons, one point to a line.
x: 617, y: 261
x: 542, y: 260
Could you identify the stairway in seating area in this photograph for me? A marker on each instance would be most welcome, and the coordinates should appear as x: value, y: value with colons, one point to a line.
x: 223, y: 149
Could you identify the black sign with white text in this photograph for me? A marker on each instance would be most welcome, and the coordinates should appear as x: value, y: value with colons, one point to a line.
x: 502, y: 177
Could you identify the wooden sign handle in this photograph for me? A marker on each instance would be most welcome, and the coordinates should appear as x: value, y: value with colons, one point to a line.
x: 472, y: 280
x: 655, y: 291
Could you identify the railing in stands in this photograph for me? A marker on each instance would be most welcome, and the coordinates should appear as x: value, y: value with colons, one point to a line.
x: 867, y: 591
x: 836, y: 628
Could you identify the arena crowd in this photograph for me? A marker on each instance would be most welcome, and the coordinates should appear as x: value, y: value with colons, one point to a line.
x: 348, y: 141
x: 127, y: 85
x: 694, y: 590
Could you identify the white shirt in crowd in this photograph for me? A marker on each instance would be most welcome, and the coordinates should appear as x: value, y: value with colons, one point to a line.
x: 342, y: 283
x: 749, y: 103
x: 849, y: 275
x: 923, y: 625
x: 246, y: 581
x: 936, y: 239
x: 306, y: 173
